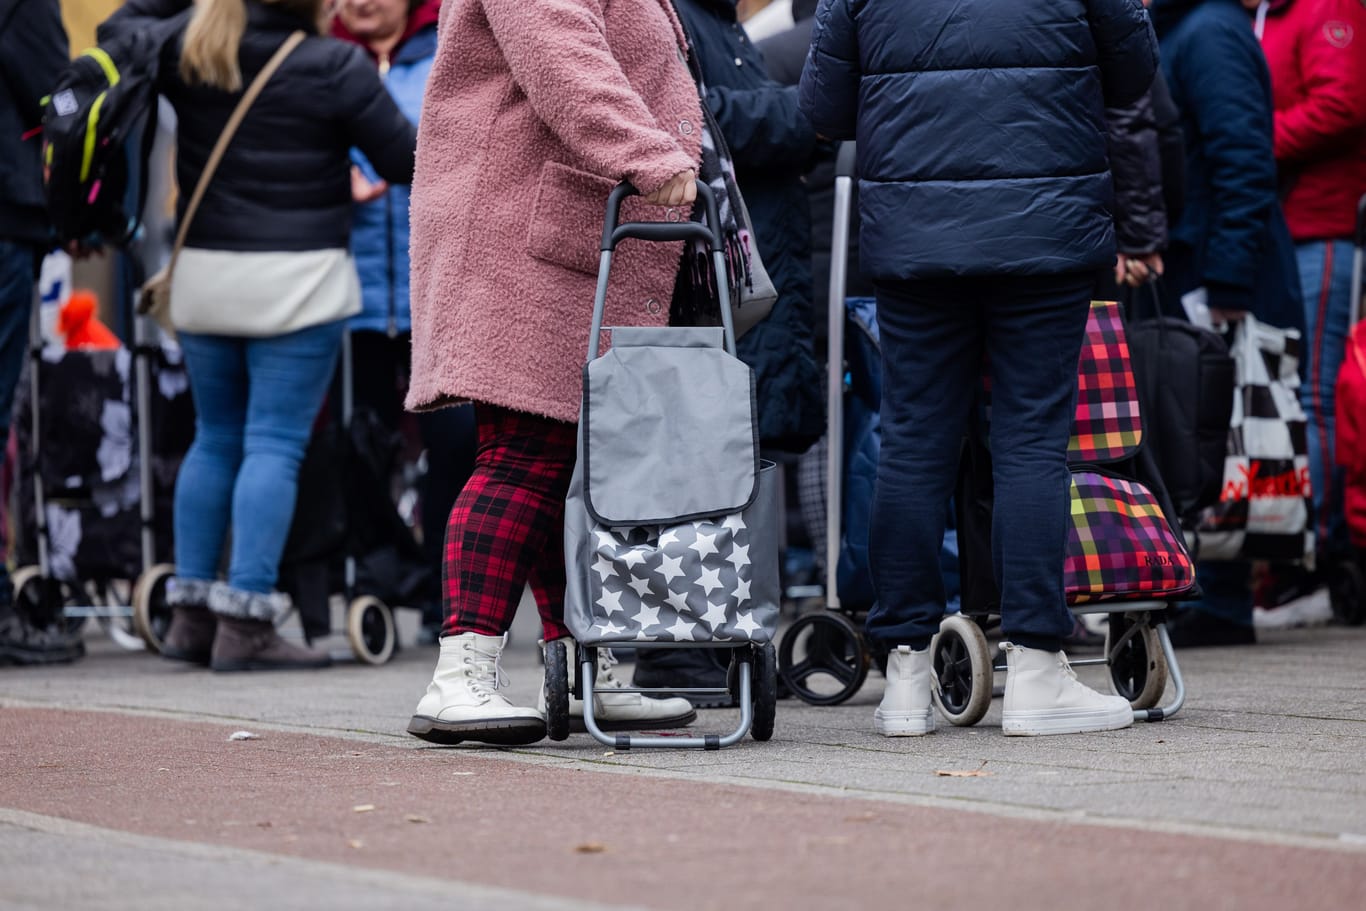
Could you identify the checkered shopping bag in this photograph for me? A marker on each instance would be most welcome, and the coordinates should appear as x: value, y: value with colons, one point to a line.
x: 1265, y: 507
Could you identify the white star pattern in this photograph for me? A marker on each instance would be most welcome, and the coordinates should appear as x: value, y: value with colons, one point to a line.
x: 641, y: 586
x: 677, y: 601
x: 670, y: 536
x: 604, y: 569
x: 610, y: 602
x: 610, y: 629
x: 605, y: 538
x: 704, y: 545
x: 715, y: 615
x: 742, y: 591
x: 734, y: 522
x: 647, y: 616
x: 739, y: 556
x: 633, y: 557
x: 745, y: 623
x: 670, y: 568
x: 682, y: 630
x: 710, y: 579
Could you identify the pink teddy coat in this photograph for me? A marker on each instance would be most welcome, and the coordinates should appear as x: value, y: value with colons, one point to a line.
x: 534, y: 110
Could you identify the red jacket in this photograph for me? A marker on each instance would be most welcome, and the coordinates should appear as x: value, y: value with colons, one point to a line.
x: 1317, y: 53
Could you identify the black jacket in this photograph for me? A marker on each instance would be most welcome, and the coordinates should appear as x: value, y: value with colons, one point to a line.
x: 1136, y: 165
x: 33, y: 53
x: 284, y: 183
x: 772, y: 143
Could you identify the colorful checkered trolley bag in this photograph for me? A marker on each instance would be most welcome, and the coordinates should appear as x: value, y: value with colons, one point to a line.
x: 671, y: 537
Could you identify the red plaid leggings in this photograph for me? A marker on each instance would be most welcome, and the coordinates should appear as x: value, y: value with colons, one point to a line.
x: 507, y: 526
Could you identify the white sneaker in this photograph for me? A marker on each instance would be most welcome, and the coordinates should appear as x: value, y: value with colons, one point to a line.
x: 462, y: 701
x: 1044, y: 696
x: 1313, y: 609
x: 614, y: 711
x: 905, y: 710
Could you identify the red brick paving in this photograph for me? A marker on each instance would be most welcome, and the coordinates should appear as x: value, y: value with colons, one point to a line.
x: 664, y: 843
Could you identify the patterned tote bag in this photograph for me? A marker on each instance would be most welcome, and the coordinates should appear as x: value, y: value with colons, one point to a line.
x: 1120, y: 544
x: 671, y: 531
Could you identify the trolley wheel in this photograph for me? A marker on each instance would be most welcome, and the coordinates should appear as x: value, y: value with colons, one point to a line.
x: 764, y: 672
x: 1347, y: 585
x: 962, y: 670
x: 833, y: 662
x: 41, y: 599
x: 370, y: 629
x: 556, y: 691
x: 151, y: 614
x: 1138, y: 666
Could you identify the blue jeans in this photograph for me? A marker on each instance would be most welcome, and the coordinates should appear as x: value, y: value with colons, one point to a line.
x: 256, y: 401
x: 934, y: 336
x: 1325, y: 276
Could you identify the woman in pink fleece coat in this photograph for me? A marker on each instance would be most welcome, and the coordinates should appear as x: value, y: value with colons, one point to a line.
x: 533, y: 112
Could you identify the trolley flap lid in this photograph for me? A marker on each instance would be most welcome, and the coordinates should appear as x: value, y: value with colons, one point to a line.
x: 668, y: 429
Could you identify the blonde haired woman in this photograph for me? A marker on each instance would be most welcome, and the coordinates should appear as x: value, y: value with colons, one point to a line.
x: 260, y: 294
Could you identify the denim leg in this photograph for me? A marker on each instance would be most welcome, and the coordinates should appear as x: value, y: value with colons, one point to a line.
x: 288, y: 379
x: 931, y: 356
x: 1035, y: 329
x: 217, y: 367
x: 1225, y: 591
x: 16, y: 305
x: 1325, y: 277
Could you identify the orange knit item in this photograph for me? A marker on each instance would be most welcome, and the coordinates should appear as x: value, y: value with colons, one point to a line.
x: 80, y: 327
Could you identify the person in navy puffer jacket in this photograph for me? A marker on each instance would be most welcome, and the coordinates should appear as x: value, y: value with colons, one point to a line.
x: 985, y: 198
x: 400, y: 36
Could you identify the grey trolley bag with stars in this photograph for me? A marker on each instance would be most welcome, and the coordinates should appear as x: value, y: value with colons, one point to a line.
x: 671, y: 535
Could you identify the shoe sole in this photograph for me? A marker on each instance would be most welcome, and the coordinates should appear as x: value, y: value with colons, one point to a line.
x: 497, y: 731
x: 232, y: 667
x: 27, y: 658
x: 203, y: 659
x: 903, y: 725
x: 1042, y: 724
x: 654, y: 724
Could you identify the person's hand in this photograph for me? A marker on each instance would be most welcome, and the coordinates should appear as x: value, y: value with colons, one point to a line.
x: 1138, y: 269
x: 1226, y: 317
x: 681, y: 190
x: 362, y: 190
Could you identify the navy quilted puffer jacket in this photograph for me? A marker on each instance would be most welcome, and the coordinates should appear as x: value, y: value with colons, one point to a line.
x: 980, y: 127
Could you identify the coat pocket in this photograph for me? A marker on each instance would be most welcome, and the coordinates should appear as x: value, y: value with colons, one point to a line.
x: 566, y: 219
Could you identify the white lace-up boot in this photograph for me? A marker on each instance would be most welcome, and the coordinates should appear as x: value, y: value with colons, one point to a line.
x: 462, y: 701
x: 905, y: 710
x: 1044, y: 696
x: 616, y: 711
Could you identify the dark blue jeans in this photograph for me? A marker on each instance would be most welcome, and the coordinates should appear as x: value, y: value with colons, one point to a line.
x: 935, y: 335
x: 17, y: 264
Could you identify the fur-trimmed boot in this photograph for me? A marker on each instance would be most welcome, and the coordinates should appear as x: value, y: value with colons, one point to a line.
x: 617, y: 711
x: 191, y: 633
x: 463, y: 703
x: 246, y: 639
x: 1044, y: 696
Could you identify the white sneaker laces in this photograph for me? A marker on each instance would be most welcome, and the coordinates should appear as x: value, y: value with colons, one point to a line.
x: 606, y: 676
x: 486, y: 670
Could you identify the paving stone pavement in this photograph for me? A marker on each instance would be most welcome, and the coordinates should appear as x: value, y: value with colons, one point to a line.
x: 1255, y: 793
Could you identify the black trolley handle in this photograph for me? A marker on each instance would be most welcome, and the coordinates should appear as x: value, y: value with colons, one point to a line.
x: 614, y: 230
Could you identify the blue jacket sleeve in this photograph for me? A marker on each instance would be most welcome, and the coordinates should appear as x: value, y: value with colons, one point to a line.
x: 135, y: 14
x: 830, y: 80
x: 1224, y: 77
x: 763, y: 126
x: 1127, y: 48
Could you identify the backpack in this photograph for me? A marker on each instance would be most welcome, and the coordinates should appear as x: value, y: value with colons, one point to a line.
x: 98, y: 127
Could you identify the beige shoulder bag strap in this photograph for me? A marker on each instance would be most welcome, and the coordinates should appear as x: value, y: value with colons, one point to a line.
x: 220, y: 148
